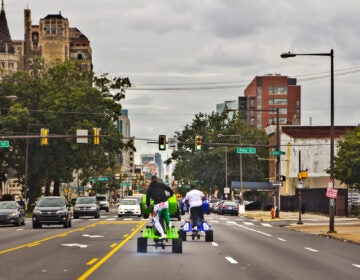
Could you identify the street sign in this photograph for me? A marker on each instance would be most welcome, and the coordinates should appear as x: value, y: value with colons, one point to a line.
x: 330, y: 184
x: 331, y: 193
x: 277, y: 153
x: 103, y: 179
x: 245, y: 150
x: 4, y: 144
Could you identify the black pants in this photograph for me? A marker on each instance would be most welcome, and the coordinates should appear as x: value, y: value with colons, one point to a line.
x: 196, y: 215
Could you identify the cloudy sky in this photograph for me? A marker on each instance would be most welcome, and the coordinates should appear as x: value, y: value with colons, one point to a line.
x: 184, y: 56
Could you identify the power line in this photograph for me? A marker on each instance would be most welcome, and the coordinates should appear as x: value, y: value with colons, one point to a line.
x: 307, y: 77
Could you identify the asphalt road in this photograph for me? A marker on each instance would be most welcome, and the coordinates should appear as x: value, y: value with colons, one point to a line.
x: 106, y: 248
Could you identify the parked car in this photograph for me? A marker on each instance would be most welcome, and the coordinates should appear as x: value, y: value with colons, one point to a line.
x: 212, y: 203
x: 103, y: 201
x: 228, y: 207
x: 11, y: 213
x: 51, y: 210
x: 86, y: 206
x: 216, y: 206
x: 129, y: 206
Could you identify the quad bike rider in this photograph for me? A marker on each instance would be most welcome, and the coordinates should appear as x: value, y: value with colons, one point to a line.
x: 157, y: 192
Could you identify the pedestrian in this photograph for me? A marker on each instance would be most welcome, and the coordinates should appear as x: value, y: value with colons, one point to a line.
x: 21, y: 202
x: 157, y: 192
x: 195, y: 200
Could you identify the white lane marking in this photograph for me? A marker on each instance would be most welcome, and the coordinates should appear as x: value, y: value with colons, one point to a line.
x: 266, y: 225
x: 75, y: 245
x: 128, y: 219
x: 281, y: 239
x: 92, y: 236
x: 356, y: 265
x: 224, y: 219
x: 248, y: 223
x: 213, y: 221
x: 251, y: 229
x: 110, y: 219
x: 311, y: 249
x: 214, y: 244
x: 230, y: 260
x: 19, y: 229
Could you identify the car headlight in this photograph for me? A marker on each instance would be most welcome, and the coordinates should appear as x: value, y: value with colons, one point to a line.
x: 61, y: 212
x: 76, y: 208
x: 13, y: 214
x: 36, y: 211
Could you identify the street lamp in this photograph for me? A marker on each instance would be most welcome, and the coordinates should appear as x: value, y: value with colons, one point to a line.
x: 331, y: 55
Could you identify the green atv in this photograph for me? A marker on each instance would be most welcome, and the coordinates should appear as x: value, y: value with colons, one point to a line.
x: 174, y: 208
x: 150, y: 232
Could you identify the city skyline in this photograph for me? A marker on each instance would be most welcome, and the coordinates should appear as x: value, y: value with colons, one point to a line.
x: 184, y: 58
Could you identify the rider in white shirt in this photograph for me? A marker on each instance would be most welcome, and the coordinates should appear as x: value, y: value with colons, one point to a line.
x: 195, y: 199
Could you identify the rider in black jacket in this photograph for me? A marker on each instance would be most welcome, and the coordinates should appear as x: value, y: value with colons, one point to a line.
x: 156, y: 191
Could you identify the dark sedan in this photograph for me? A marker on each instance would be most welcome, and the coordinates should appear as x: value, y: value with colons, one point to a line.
x: 11, y: 213
x: 228, y: 207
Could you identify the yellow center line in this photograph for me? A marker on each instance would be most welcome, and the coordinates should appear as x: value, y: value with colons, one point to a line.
x: 92, y: 261
x: 38, y: 242
x: 112, y: 252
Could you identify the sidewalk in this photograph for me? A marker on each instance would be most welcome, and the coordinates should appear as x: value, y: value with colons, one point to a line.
x: 346, y: 228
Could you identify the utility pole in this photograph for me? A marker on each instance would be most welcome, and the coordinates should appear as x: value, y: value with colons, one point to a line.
x: 277, y: 167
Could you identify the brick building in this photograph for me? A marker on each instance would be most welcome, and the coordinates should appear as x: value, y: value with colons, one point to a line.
x: 265, y: 93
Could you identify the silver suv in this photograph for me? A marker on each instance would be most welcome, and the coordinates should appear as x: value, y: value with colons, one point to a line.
x: 103, y: 201
x: 86, y: 206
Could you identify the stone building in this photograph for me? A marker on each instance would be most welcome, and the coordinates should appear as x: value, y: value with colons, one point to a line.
x: 52, y: 39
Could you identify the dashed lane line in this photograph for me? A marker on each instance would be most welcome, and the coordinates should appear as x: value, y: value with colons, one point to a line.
x: 231, y: 260
x: 311, y: 249
x: 251, y: 229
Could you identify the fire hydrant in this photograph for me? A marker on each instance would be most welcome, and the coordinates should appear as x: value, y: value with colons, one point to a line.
x: 272, y: 213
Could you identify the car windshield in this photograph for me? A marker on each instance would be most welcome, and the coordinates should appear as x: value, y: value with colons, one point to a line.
x: 85, y: 200
x: 7, y: 205
x: 128, y: 202
x: 51, y: 202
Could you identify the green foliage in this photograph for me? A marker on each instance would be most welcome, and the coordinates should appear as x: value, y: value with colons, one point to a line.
x: 62, y: 99
x: 220, y: 136
x: 347, y: 160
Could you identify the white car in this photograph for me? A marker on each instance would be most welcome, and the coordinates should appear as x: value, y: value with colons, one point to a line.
x: 129, y: 206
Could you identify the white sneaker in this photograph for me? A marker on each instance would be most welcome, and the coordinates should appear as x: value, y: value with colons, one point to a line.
x: 163, y: 236
x: 170, y: 225
x: 194, y: 228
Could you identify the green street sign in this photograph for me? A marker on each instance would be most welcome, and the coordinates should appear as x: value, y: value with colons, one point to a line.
x: 246, y: 150
x: 4, y: 144
x: 103, y: 179
x: 277, y: 153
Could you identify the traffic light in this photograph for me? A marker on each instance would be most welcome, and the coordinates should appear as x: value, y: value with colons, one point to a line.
x: 96, y: 136
x: 162, y: 142
x: 44, y: 132
x: 198, y: 145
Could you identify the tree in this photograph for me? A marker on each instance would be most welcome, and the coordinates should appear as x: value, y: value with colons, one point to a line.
x: 62, y: 99
x: 347, y: 160
x: 206, y: 168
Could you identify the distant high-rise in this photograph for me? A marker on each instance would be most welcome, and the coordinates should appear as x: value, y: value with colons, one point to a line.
x: 269, y: 92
